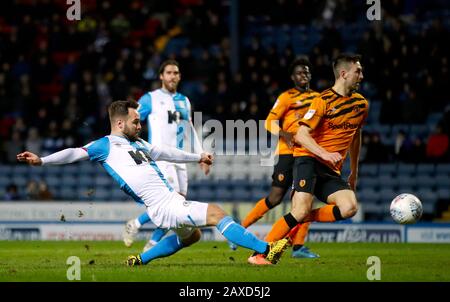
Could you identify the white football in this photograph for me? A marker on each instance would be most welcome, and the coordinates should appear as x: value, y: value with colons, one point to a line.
x: 406, y: 209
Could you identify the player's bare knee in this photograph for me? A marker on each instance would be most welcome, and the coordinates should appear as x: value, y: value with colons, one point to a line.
x: 300, y: 211
x: 349, y: 210
x: 300, y: 214
x: 195, y: 237
x: 214, y: 214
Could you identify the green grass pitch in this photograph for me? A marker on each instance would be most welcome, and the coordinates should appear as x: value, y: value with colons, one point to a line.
x: 215, y: 262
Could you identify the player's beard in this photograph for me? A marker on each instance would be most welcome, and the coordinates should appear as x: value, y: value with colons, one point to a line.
x: 131, y: 135
x: 171, y: 86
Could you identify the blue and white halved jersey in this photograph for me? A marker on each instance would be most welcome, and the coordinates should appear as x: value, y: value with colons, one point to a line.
x: 132, y: 165
x: 168, y: 115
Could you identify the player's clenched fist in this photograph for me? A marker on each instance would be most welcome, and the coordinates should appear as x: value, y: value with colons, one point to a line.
x: 29, y: 158
x: 206, y: 158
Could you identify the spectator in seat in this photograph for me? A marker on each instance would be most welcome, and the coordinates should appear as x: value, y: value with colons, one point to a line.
x: 437, y: 146
x: 12, y: 193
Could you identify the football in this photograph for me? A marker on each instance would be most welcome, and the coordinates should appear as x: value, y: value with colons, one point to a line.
x: 406, y: 209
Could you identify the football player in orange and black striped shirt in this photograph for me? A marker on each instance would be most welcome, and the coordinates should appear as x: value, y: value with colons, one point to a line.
x: 328, y: 131
x: 282, y: 120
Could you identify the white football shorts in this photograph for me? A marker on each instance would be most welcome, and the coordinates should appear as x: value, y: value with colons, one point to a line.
x: 180, y: 215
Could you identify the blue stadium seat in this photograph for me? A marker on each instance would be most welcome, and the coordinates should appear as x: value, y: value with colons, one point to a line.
x: 389, y: 169
x: 425, y: 182
x: 102, y: 194
x: 53, y: 181
x: 239, y: 194
x: 407, y: 181
x: 99, y: 170
x: 192, y: 194
x: 368, y: 170
x: 70, y: 170
x: 119, y: 195
x: 85, y: 180
x: 85, y: 193
x: 443, y: 169
x: 443, y: 193
x: 102, y: 181
x: 368, y: 182
x: 368, y: 195
x: 36, y: 173
x: 223, y: 194
x: 387, y: 195
x: 4, y: 181
x: 428, y: 199
x: 19, y: 180
x: 52, y: 171
x: 240, y: 184
x: 86, y: 168
x: 20, y: 170
x: 425, y: 169
x: 67, y: 193
x: 69, y: 181
x: 206, y: 194
x: 406, y: 169
x: 442, y: 180
x: 405, y: 189
x: 5, y: 170
x: 387, y: 181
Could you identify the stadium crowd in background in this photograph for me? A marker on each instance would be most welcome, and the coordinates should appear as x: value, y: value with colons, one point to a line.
x: 55, y: 73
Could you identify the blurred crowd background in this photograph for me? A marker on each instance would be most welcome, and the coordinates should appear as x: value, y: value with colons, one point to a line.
x: 58, y: 76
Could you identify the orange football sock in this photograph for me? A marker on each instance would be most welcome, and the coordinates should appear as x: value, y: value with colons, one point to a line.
x: 324, y: 214
x: 279, y: 229
x: 298, y: 237
x: 256, y: 213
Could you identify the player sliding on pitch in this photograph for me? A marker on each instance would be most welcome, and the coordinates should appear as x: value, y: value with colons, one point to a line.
x: 131, y: 162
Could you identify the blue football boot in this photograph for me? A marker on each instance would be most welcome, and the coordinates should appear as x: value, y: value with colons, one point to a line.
x: 304, y: 252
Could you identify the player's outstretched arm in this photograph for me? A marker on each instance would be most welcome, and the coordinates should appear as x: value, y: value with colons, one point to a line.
x: 65, y: 156
x: 175, y: 155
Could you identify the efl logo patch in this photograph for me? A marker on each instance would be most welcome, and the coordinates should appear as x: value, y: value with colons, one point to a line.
x: 302, y: 183
x: 280, y: 177
x: 309, y: 114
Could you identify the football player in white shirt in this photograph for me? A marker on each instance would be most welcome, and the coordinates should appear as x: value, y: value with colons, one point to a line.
x: 131, y: 162
x: 168, y: 115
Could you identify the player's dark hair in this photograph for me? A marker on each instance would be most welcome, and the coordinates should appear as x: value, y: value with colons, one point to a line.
x: 167, y: 63
x: 344, y: 58
x: 300, y: 61
x: 120, y: 108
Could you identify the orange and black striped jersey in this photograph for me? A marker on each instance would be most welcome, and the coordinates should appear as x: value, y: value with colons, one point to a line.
x: 289, y: 108
x: 334, y: 120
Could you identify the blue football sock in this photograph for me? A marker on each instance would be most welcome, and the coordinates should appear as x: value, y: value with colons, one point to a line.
x: 164, y: 248
x: 158, y: 234
x: 144, y: 218
x: 239, y: 235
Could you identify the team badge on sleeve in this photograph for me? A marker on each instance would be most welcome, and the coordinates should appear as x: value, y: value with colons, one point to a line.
x: 309, y: 114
